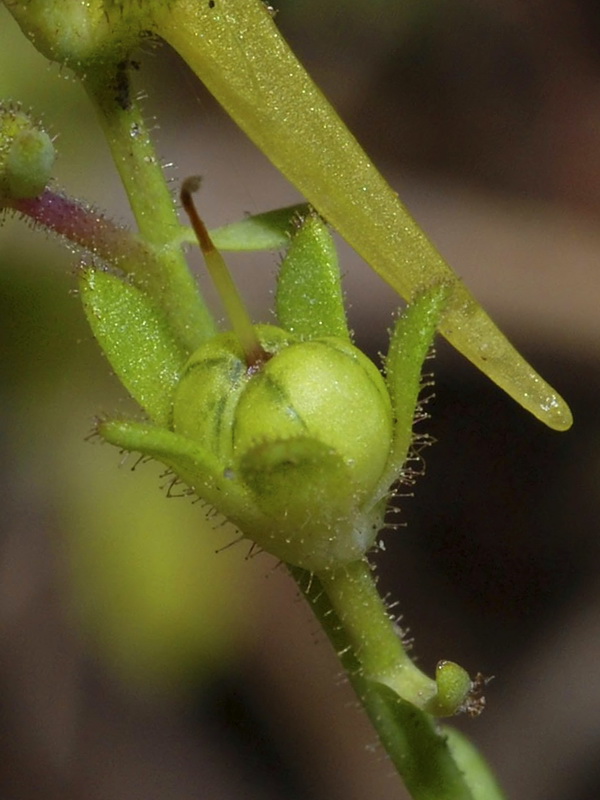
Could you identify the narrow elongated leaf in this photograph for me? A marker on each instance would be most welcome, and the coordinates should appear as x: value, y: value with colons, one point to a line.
x: 236, y: 50
x: 478, y: 775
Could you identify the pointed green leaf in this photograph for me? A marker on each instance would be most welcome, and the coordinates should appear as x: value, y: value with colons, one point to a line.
x: 309, y: 300
x: 136, y: 340
x: 236, y: 50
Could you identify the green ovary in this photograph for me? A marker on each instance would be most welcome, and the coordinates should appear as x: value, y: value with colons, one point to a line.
x: 207, y: 395
x: 327, y: 390
x: 209, y: 391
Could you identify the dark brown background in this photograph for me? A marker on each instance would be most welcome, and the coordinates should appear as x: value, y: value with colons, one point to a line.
x: 486, y: 118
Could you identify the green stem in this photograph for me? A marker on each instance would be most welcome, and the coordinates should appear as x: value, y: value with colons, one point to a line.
x: 477, y: 773
x: 353, y: 595
x: 416, y: 746
x: 434, y: 763
x: 173, y: 286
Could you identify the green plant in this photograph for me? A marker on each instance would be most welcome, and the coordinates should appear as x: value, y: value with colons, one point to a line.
x: 257, y: 421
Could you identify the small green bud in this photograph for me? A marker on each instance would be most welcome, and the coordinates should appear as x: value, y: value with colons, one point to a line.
x: 26, y: 155
x: 454, y: 686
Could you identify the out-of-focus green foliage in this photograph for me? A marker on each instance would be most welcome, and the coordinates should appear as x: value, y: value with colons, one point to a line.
x: 144, y: 583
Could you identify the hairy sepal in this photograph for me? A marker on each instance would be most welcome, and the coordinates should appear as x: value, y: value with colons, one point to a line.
x: 309, y: 299
x: 304, y: 488
x: 135, y: 337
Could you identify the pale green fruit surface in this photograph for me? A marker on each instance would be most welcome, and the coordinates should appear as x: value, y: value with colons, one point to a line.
x: 210, y: 387
x: 327, y: 390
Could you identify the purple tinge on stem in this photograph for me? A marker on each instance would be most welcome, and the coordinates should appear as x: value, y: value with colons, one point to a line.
x: 79, y: 224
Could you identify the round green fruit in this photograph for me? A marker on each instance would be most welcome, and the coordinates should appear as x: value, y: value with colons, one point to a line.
x: 307, y: 432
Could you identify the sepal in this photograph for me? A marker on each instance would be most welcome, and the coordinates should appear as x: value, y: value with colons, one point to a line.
x: 136, y: 339
x: 270, y: 230
x: 304, y: 489
x: 411, y: 341
x: 188, y: 460
x: 309, y: 300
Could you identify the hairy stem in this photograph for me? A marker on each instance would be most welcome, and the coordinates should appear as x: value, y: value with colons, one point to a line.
x: 152, y: 205
x: 374, y: 638
x: 434, y: 764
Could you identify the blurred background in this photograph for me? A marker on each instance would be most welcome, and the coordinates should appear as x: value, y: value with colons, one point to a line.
x: 137, y: 662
